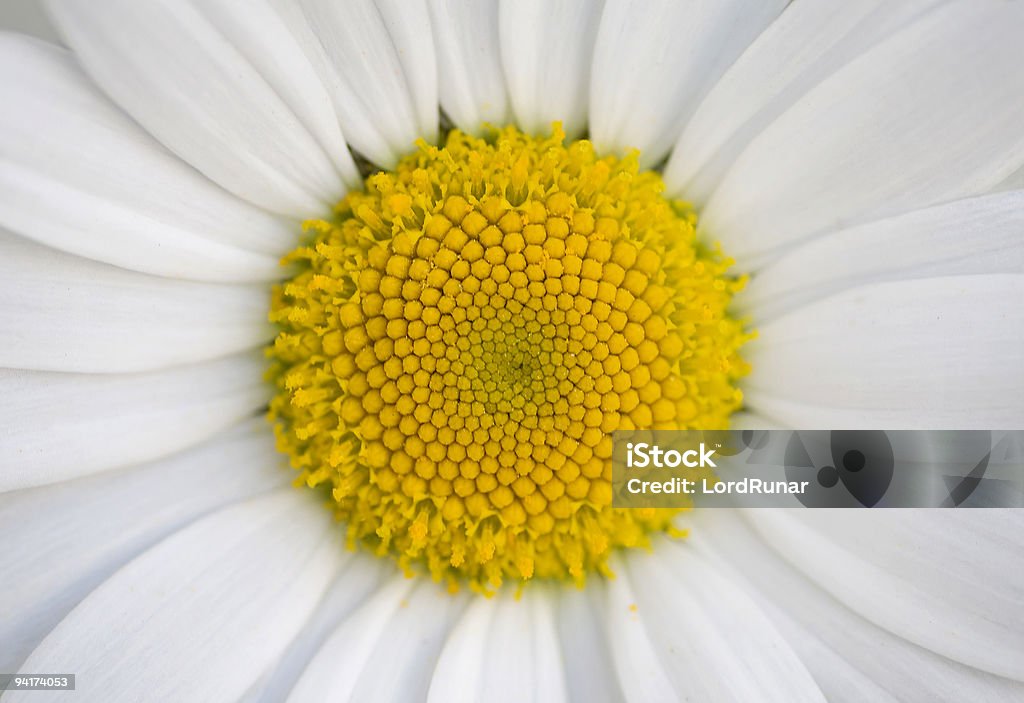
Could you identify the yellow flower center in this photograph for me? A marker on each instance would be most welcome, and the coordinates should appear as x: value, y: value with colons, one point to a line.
x: 463, y: 336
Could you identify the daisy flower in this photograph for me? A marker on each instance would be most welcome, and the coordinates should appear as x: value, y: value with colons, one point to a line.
x: 447, y: 248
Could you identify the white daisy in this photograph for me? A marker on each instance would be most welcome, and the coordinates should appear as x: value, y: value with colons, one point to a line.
x: 862, y: 162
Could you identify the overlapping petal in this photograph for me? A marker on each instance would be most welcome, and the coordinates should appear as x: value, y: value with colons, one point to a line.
x: 851, y: 658
x: 360, y: 577
x: 77, y: 174
x: 235, y: 99
x: 906, y: 125
x: 206, y: 612
x: 682, y: 630
x: 386, y: 649
x: 941, y: 579
x: 973, y: 236
x: 928, y: 353
x: 59, y: 426
x: 546, y: 52
x: 107, y: 519
x: 471, y: 80
x: 655, y: 61
x: 805, y: 45
x: 502, y: 649
x: 65, y: 313
x: 376, y: 59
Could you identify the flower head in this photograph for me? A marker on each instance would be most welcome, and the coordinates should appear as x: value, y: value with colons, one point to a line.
x: 461, y: 341
x: 467, y: 314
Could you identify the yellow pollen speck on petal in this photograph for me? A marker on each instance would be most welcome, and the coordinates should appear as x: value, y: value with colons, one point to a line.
x: 462, y: 337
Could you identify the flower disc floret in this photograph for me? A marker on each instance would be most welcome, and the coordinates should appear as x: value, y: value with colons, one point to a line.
x: 462, y: 338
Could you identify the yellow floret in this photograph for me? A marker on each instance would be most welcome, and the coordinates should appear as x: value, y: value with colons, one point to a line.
x: 463, y: 336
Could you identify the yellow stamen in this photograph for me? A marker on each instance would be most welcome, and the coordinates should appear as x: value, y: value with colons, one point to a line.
x: 462, y: 338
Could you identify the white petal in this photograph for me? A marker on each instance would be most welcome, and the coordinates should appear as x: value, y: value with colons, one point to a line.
x: 27, y: 16
x: 407, y: 22
x: 943, y: 579
x: 386, y: 650
x: 709, y: 639
x: 472, y: 83
x: 503, y: 649
x: 635, y: 656
x: 64, y: 540
x: 655, y: 61
x: 64, y: 313
x: 805, y: 45
x: 379, y: 57
x: 907, y: 125
x: 525, y: 661
x: 406, y: 653
x: 360, y: 129
x: 57, y: 426
x: 333, y: 672
x: 360, y: 577
x: 546, y: 50
x: 458, y: 676
x: 1015, y: 181
x: 77, y: 174
x: 204, y: 613
x: 851, y: 659
x: 185, y: 81
x: 929, y: 353
x: 971, y: 236
x: 589, y: 673
x: 256, y: 30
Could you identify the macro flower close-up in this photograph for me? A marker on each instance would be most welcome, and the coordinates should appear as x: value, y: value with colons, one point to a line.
x: 319, y: 317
